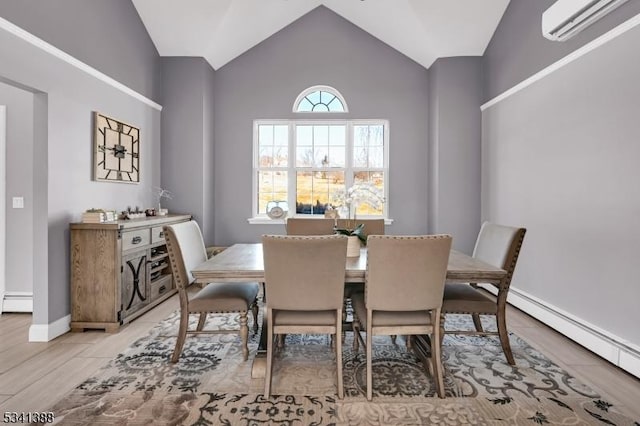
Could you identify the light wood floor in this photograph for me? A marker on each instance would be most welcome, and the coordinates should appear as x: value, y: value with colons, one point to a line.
x: 33, y: 376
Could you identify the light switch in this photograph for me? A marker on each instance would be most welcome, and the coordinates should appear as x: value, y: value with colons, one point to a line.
x: 18, y: 202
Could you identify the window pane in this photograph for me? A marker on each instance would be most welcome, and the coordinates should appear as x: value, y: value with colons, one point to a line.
x: 376, y: 135
x: 335, y: 105
x: 360, y: 156
x: 304, y: 157
x: 266, y: 157
x: 305, y: 105
x: 326, y: 97
x: 314, y: 97
x: 281, y: 135
x: 337, y: 135
x: 280, y: 154
x: 337, y: 156
x: 304, y: 135
x: 377, y: 180
x: 320, y: 135
x: 360, y: 135
x: 272, y: 186
x: 315, y: 190
x: 376, y: 157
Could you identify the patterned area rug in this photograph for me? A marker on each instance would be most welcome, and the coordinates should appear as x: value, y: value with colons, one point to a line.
x: 211, y: 385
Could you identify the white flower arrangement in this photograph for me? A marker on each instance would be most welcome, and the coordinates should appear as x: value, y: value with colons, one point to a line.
x: 347, y: 202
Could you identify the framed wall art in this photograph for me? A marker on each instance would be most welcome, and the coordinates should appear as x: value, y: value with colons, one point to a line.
x: 116, y: 150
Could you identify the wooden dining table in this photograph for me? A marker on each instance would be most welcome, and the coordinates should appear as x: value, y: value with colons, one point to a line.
x: 244, y: 263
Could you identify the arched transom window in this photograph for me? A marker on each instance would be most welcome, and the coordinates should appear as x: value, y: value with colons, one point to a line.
x: 320, y: 99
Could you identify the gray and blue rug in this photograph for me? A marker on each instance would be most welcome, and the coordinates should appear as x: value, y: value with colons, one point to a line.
x: 211, y: 385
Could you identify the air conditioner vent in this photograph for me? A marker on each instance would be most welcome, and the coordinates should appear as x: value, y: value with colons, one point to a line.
x: 566, y: 18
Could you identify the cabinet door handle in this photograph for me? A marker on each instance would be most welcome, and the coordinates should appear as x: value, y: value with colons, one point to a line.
x: 161, y: 234
x: 162, y: 289
x: 136, y: 240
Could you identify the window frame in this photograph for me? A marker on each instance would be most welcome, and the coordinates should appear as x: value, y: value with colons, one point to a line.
x: 292, y: 169
x: 323, y: 88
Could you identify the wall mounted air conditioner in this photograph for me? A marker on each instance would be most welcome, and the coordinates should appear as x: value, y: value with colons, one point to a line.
x: 566, y: 18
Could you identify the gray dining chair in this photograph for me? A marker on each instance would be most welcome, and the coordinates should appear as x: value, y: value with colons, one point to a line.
x: 304, y: 279
x: 403, y: 294
x: 497, y: 245
x: 186, y: 250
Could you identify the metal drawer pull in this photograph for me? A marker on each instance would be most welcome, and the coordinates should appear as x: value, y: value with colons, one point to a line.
x: 136, y: 240
x: 161, y: 234
x: 162, y: 289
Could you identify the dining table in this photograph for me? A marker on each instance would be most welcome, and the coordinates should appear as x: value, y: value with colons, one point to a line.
x: 244, y: 263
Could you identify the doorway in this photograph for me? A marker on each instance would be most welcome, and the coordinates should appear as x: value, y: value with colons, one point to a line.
x: 3, y: 215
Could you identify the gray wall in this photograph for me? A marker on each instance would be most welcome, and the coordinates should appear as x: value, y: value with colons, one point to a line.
x: 106, y: 34
x: 455, y: 90
x: 19, y: 183
x: 187, y: 138
x: 62, y: 160
x: 319, y: 48
x: 561, y: 158
x: 518, y: 50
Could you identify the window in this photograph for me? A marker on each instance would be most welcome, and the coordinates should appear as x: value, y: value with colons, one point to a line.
x: 303, y: 164
x: 320, y: 99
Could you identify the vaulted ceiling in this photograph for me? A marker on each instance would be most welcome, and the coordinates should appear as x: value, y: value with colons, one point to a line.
x: 221, y: 30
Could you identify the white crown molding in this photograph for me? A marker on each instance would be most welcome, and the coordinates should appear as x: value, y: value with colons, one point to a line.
x: 16, y: 301
x: 592, y: 45
x: 607, y: 345
x: 54, y: 51
x: 48, y: 332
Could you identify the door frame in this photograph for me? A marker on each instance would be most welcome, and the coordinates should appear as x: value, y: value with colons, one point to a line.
x: 3, y: 211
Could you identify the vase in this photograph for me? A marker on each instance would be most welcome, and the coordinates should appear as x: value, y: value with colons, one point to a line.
x: 353, y: 246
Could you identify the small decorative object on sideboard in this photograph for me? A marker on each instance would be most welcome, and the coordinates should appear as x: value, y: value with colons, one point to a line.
x: 99, y: 216
x: 162, y: 193
x: 130, y: 213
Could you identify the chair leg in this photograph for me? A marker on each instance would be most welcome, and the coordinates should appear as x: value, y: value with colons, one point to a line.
x: 182, y: 335
x: 339, y: 355
x: 244, y: 334
x: 254, y: 310
x: 442, y: 332
x: 436, y: 354
x: 476, y: 322
x: 268, y: 372
x: 393, y: 338
x: 201, y: 321
x: 369, y: 354
x: 504, y: 337
x: 356, y: 334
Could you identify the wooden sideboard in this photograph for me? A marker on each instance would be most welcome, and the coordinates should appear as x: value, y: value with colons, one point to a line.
x: 119, y: 270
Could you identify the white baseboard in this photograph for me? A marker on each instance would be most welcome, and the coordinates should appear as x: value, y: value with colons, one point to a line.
x: 48, y: 332
x: 614, y: 349
x: 16, y: 301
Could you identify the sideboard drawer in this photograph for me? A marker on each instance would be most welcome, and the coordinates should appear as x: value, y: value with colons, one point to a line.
x: 161, y: 286
x: 135, y: 239
x: 157, y: 236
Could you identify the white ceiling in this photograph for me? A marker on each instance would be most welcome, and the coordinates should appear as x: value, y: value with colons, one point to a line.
x: 221, y: 30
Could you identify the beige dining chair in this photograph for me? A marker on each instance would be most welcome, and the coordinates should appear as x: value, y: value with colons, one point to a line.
x: 499, y: 246
x: 371, y: 226
x: 186, y: 250
x: 304, y: 279
x: 403, y: 293
x: 309, y: 226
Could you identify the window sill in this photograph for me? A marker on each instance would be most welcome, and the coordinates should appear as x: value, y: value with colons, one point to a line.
x: 267, y: 221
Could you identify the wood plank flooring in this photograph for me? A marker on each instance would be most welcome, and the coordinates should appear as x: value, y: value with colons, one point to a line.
x: 35, y: 375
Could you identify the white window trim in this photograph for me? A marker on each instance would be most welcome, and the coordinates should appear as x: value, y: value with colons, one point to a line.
x: 262, y: 218
x: 323, y: 88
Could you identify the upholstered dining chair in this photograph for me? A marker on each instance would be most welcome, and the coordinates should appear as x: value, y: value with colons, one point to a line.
x: 186, y: 250
x: 309, y: 226
x: 403, y: 293
x: 499, y: 246
x: 371, y: 226
x: 304, y: 278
